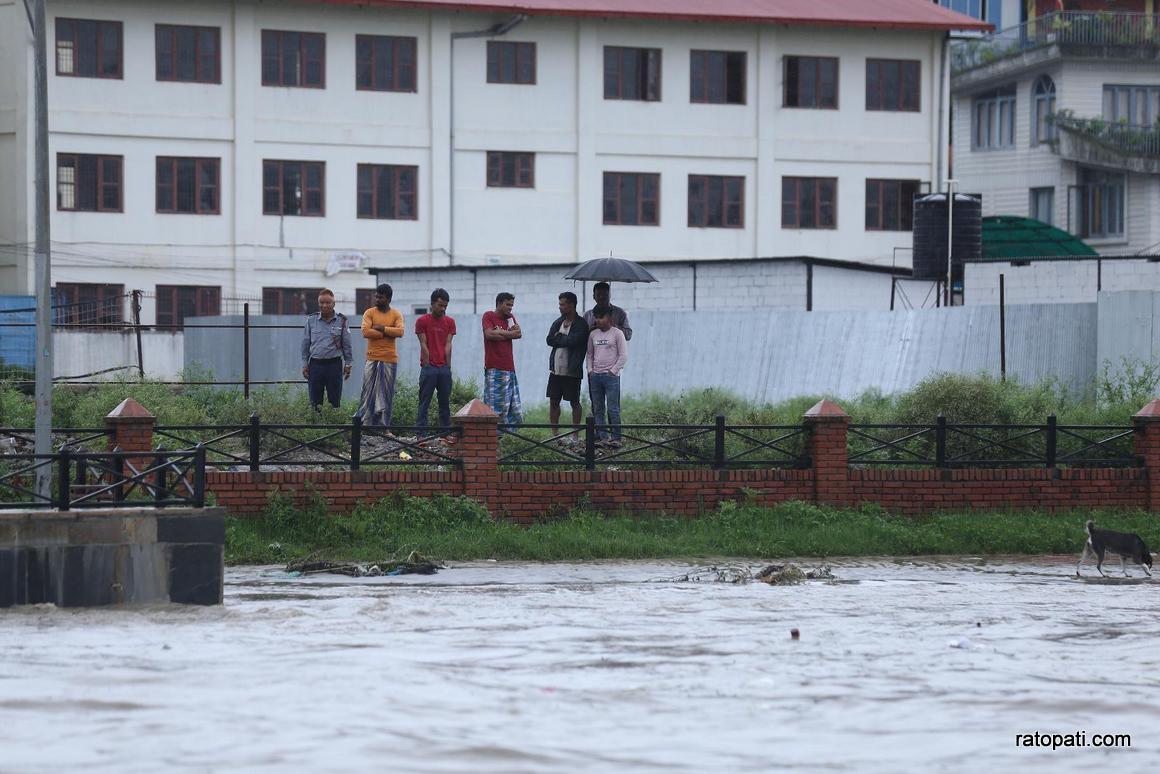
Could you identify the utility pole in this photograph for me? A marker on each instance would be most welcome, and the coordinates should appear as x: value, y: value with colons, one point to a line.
x: 43, y: 252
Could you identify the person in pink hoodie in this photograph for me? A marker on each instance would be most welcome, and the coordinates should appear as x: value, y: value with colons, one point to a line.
x: 607, y: 355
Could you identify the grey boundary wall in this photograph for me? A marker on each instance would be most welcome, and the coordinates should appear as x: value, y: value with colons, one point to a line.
x: 760, y: 354
x: 110, y: 557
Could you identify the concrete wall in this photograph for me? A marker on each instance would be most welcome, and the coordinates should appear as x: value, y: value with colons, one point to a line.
x: 1053, y: 282
x: 76, y: 353
x: 760, y: 354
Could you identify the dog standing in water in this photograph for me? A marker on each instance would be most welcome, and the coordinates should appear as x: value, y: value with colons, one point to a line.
x: 1126, y: 545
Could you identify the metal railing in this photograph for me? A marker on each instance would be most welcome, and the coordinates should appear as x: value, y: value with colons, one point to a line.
x: 719, y: 446
x: 1076, y: 28
x: 1124, y: 139
x: 113, y: 479
x: 256, y: 446
x: 944, y: 445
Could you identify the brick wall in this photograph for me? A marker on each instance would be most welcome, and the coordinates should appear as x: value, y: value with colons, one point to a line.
x: 524, y: 496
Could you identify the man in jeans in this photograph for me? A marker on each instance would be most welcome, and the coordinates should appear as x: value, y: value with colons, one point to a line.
x: 435, y: 330
x: 607, y: 355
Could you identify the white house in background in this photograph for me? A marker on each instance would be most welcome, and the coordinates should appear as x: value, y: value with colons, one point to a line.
x: 1057, y: 119
x: 212, y: 149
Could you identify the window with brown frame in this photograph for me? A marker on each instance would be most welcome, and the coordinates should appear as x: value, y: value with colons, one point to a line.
x: 189, y: 54
x: 294, y: 59
x: 188, y: 185
x: 293, y: 188
x: 86, y: 48
x: 507, y: 169
x: 87, y: 303
x: 88, y: 183
x: 632, y: 73
x: 511, y: 62
x: 385, y: 63
x: 716, y: 201
x: 177, y: 303
x: 890, y: 204
x: 717, y: 77
x: 811, y: 82
x: 892, y: 84
x: 290, y: 300
x: 388, y: 191
x: 364, y: 299
x: 632, y: 199
x: 809, y: 202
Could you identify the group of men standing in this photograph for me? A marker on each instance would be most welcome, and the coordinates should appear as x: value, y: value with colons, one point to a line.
x: 596, y: 342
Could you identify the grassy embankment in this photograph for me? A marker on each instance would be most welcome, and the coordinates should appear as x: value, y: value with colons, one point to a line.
x: 458, y: 529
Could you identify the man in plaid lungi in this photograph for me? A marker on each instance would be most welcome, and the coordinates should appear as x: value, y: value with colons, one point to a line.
x: 501, y: 389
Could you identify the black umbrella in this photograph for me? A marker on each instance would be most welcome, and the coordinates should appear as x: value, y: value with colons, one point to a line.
x: 611, y: 270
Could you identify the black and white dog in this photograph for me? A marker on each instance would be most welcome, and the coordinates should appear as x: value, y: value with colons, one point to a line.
x: 1126, y: 545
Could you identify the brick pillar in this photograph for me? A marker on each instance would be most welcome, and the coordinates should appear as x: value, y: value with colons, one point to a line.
x: 1147, y: 448
x: 130, y: 427
x: 828, y: 423
x: 478, y: 450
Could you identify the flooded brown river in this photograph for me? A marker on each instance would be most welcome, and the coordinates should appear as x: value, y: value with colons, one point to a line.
x: 901, y: 666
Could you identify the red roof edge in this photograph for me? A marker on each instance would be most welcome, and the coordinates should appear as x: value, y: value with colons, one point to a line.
x: 968, y: 24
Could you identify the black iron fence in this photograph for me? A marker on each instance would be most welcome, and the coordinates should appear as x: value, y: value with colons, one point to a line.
x: 719, y: 446
x: 115, y: 479
x: 256, y: 446
x: 945, y: 445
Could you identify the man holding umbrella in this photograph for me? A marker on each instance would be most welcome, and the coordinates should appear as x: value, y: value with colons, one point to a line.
x: 601, y: 293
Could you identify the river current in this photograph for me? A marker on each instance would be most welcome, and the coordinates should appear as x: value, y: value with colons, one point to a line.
x: 909, y: 665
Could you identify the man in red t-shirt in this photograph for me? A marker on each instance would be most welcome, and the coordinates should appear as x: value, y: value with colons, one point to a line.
x: 501, y: 391
x: 435, y: 330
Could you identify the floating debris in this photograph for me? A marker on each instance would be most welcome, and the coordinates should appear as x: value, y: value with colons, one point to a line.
x: 774, y: 575
x: 790, y: 574
x: 414, y: 564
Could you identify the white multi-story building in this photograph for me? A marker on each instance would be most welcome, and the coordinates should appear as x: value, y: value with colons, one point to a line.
x: 209, y: 149
x: 1058, y: 119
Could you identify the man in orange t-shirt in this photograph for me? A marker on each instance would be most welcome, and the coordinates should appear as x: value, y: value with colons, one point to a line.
x: 381, y: 325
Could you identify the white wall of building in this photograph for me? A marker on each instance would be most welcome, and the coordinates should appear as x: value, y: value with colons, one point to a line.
x: 15, y: 150
x: 1006, y: 176
x: 576, y: 134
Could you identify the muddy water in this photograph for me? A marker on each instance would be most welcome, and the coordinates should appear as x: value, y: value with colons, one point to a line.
x: 901, y: 666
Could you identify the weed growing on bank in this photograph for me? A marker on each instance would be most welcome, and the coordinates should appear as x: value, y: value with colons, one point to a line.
x: 457, y: 528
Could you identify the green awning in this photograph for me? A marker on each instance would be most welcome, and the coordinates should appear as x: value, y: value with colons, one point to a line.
x: 1006, y: 238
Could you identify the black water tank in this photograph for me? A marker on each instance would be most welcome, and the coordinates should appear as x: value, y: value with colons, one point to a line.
x: 930, y: 234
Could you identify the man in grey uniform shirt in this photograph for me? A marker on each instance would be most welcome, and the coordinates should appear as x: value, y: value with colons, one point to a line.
x: 326, y: 352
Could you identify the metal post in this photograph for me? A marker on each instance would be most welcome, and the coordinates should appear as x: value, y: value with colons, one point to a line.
x: 893, y: 285
x: 62, y: 480
x: 590, y: 443
x: 719, y: 443
x: 1051, y: 441
x: 162, y: 464
x: 1002, y: 330
x: 199, y: 476
x: 255, y: 442
x: 137, y: 328
x: 940, y: 442
x: 43, y: 251
x: 246, y: 350
x: 948, y: 290
x: 355, y: 441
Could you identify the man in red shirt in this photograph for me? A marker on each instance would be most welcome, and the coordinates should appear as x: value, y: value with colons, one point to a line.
x: 501, y: 391
x: 435, y: 331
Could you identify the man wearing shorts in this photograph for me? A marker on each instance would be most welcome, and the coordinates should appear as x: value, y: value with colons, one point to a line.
x: 568, y: 338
